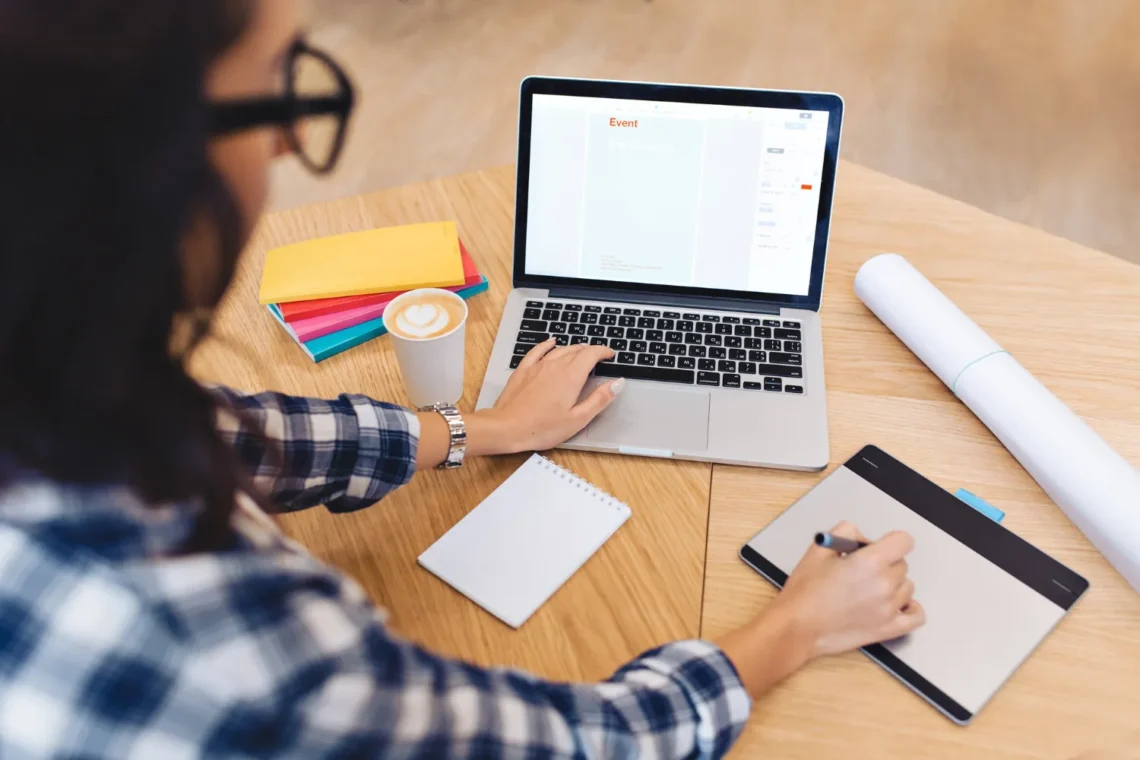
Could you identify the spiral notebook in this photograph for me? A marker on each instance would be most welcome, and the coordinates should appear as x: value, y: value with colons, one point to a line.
x: 513, y: 551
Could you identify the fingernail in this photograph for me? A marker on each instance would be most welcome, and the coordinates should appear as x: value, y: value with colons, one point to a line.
x: 617, y: 385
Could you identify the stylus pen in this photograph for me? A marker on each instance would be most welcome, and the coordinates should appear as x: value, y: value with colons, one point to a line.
x: 838, y: 543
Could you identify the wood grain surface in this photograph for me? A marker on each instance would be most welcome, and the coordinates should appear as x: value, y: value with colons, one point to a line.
x: 627, y: 598
x: 1070, y: 315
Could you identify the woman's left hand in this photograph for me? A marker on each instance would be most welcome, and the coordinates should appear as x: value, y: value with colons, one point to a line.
x: 539, y: 408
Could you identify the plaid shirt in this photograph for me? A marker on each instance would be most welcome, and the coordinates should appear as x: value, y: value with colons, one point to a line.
x: 112, y: 644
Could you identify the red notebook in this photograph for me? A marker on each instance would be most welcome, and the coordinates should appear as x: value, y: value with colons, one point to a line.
x: 321, y: 306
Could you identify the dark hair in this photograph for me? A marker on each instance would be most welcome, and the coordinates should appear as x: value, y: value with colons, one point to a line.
x: 103, y: 170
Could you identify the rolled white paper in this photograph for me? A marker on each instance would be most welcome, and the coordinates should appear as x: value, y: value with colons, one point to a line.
x: 1095, y: 487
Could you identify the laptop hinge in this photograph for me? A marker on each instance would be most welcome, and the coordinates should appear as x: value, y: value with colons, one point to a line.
x: 656, y: 299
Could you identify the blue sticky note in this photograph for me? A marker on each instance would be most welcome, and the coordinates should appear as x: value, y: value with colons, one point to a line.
x: 980, y: 504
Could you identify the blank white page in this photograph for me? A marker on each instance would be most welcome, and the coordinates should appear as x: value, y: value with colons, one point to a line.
x: 513, y: 551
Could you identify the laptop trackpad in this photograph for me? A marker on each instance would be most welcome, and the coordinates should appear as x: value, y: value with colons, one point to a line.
x: 655, y: 417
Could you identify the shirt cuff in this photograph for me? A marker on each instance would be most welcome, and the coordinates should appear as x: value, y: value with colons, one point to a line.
x: 388, y: 438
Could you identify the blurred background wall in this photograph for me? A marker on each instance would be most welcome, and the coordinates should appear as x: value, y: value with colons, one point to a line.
x: 1029, y: 109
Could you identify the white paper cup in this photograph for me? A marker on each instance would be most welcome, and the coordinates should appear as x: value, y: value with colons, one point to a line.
x: 432, y: 368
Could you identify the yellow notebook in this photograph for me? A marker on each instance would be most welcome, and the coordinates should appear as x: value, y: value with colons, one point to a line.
x: 375, y: 261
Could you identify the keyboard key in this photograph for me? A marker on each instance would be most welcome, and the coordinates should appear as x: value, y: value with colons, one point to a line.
x: 723, y: 329
x: 751, y: 321
x: 626, y: 358
x: 769, y: 387
x: 594, y: 309
x: 532, y: 338
x: 698, y: 351
x: 753, y: 343
x: 708, y: 378
x: 693, y: 338
x: 627, y: 321
x: 597, y: 341
x: 649, y: 313
x: 646, y: 323
x: 553, y: 305
x: 634, y: 312
x: 671, y: 315
x: 558, y: 328
x: 532, y: 314
x: 569, y: 316
x: 638, y: 346
x: 608, y: 319
x: 635, y: 333
x: 708, y: 364
x: 731, y: 381
x: 731, y: 341
x: 737, y: 354
x: 690, y: 316
x: 686, y: 362
x: 715, y: 352
x: 751, y: 386
x: 533, y: 326
x: 779, y: 370
x: 665, y: 324
x: 661, y: 374
x: 776, y: 358
x: 704, y: 327
x: 561, y: 340
x: 793, y: 389
x: 685, y: 326
x: 710, y: 318
x: 619, y: 344
x: 577, y: 329
x: 550, y: 315
x: 645, y: 360
x: 595, y: 331
x: 589, y: 319
x: 787, y: 334
x: 515, y: 361
x: 657, y: 348
x: 762, y: 332
x: 573, y: 307
x: 674, y: 337
x: 576, y: 339
x: 521, y: 349
x: 742, y: 330
x: 534, y: 304
x: 615, y: 332
x: 771, y: 323
x: 654, y: 335
x: 758, y: 356
x: 666, y: 361
x: 794, y: 326
x: 612, y: 310
x: 714, y: 340
x: 676, y: 349
x: 726, y: 366
x: 772, y: 345
x: 731, y: 320
x: 745, y: 368
x: 793, y: 347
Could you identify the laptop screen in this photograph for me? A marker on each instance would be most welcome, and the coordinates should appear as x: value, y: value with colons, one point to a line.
x: 676, y: 194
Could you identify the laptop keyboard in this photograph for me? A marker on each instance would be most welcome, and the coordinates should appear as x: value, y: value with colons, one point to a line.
x: 722, y: 350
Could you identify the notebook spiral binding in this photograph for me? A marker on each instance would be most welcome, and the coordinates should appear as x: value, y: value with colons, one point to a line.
x: 582, y: 484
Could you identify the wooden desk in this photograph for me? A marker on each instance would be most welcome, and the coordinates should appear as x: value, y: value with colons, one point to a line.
x: 1068, y: 313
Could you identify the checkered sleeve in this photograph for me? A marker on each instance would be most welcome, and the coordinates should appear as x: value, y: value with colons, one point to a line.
x: 346, y: 453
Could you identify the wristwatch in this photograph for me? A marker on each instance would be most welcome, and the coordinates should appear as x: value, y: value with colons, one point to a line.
x: 457, y: 430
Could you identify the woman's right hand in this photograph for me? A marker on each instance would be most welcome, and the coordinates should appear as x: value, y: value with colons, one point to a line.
x: 846, y: 601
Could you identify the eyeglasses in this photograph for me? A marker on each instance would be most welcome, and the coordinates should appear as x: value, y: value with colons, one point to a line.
x: 313, y: 111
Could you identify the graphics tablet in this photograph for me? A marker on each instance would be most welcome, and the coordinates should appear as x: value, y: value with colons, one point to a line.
x: 990, y: 597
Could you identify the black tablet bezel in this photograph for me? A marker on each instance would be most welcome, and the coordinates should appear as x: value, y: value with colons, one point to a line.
x: 801, y: 101
x: 1011, y: 553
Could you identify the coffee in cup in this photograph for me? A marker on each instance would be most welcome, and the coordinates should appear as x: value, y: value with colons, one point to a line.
x: 428, y: 330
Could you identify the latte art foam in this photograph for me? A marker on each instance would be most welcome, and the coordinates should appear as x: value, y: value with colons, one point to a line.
x: 424, y: 316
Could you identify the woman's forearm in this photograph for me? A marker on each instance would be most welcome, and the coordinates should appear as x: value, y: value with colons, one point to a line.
x: 486, y: 435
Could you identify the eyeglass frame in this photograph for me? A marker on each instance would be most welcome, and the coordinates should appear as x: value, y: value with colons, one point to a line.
x: 229, y: 116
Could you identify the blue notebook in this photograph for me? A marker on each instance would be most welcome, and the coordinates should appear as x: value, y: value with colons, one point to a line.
x: 319, y: 349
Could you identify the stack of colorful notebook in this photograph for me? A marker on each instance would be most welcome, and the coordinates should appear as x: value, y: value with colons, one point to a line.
x: 329, y: 294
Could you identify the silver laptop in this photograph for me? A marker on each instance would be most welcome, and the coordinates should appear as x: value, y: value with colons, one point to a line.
x: 686, y: 228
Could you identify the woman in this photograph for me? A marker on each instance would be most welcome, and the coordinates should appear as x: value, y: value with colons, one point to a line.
x: 148, y: 608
